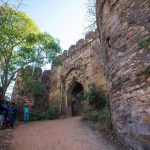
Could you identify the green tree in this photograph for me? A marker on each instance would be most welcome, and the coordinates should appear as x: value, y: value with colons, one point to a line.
x: 22, y: 44
x: 29, y: 76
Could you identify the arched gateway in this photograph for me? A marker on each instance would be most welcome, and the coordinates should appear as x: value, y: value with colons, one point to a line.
x: 74, y: 104
x: 73, y: 85
x: 82, y: 66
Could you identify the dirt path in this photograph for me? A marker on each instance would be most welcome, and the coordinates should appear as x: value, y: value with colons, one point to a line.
x: 65, y: 134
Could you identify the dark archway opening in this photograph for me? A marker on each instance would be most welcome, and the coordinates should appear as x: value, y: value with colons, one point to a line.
x: 76, y: 101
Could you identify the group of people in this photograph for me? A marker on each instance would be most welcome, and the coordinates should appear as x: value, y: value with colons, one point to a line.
x: 8, y: 113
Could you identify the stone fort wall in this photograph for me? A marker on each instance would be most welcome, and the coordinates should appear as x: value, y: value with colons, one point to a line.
x: 122, y: 25
x: 22, y: 95
x: 82, y: 63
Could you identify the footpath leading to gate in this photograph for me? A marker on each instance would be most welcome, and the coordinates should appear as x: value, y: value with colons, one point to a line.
x: 64, y: 134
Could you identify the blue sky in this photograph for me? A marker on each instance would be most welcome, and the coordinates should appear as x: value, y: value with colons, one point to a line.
x: 63, y: 19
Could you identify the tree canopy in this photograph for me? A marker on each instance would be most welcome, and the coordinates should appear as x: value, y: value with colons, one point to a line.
x: 22, y: 44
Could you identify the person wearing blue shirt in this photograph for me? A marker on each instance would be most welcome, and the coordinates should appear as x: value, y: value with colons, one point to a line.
x: 26, y: 113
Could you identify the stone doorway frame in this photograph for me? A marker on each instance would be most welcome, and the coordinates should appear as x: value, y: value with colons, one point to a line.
x: 72, y: 75
x: 69, y: 96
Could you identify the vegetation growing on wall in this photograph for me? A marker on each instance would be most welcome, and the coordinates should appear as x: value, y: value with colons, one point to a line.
x: 145, y: 43
x: 30, y: 77
x: 93, y: 97
x: 99, y: 110
x: 99, y: 107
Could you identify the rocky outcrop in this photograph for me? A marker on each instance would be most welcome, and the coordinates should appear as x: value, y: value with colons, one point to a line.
x: 122, y: 25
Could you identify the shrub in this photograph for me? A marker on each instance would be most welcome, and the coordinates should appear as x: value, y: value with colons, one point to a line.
x: 50, y: 114
x: 94, y: 98
x: 91, y: 115
x: 102, y: 115
x: 100, y: 118
x: 99, y: 111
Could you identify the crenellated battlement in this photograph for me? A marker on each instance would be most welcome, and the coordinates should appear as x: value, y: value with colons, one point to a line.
x: 80, y: 44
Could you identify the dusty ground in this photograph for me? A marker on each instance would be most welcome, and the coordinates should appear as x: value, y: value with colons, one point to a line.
x: 5, y: 138
x: 65, y: 134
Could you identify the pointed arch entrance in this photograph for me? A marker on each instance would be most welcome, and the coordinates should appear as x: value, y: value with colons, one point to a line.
x: 74, y: 104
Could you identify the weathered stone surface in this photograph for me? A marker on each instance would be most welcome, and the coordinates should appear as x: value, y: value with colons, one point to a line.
x: 122, y: 24
x: 23, y: 96
x: 83, y: 65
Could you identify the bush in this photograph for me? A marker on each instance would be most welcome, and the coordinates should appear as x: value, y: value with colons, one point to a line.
x: 99, y: 111
x: 94, y: 98
x: 100, y: 118
x: 102, y: 115
x: 50, y: 114
x: 90, y: 115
